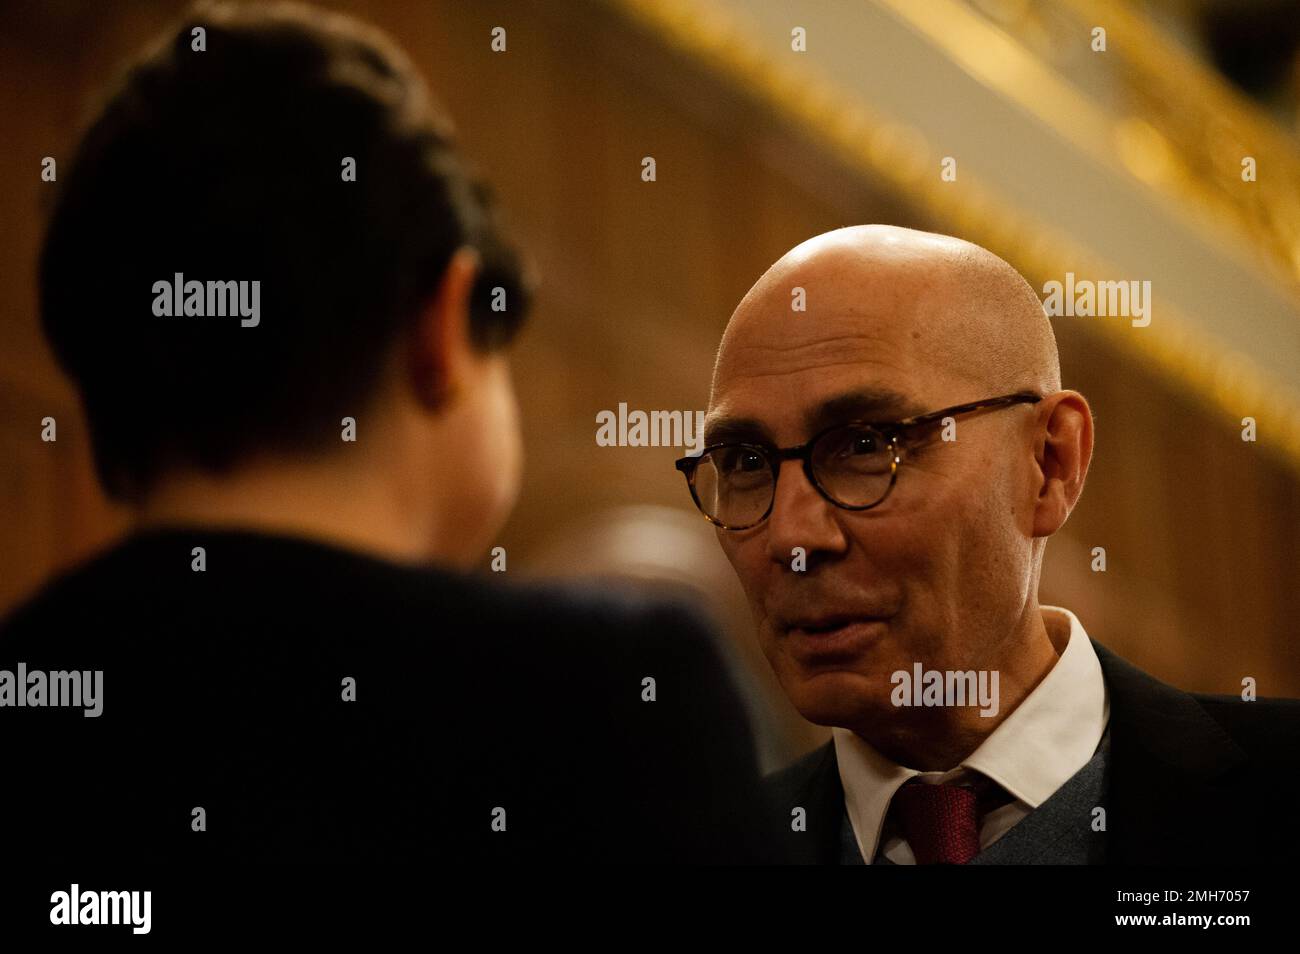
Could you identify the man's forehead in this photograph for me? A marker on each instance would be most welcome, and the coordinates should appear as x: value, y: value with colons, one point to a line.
x: 794, y: 321
x: 770, y: 343
x: 770, y: 357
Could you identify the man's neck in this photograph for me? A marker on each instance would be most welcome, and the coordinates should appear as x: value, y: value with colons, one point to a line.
x: 941, y: 738
x: 316, y: 501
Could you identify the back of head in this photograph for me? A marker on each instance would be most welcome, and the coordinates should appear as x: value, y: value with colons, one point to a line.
x: 230, y: 161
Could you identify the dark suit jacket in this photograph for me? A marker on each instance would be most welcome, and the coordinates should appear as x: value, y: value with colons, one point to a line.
x: 223, y: 690
x: 1194, y: 779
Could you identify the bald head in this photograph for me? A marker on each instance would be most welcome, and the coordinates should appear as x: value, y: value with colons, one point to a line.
x: 953, y: 308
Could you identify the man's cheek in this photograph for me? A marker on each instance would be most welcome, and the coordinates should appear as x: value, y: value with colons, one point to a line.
x: 754, y: 572
x: 737, y: 556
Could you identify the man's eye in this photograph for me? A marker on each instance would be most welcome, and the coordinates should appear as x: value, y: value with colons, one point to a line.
x: 863, y: 444
x: 858, y: 444
x: 742, y: 462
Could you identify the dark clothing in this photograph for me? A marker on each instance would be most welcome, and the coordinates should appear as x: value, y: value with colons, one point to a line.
x: 225, y: 690
x: 1187, y: 778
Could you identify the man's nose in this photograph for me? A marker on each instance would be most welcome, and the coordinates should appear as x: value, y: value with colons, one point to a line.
x: 801, y: 517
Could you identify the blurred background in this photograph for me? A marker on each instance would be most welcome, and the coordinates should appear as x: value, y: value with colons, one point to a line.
x: 1117, y: 163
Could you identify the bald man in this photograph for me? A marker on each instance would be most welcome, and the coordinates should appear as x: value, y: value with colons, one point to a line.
x: 888, y: 450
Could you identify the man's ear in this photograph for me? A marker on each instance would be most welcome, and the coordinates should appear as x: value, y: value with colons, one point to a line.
x: 442, y: 352
x: 1063, y: 450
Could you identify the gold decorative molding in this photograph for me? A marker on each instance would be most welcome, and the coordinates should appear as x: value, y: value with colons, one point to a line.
x: 1172, y: 124
x: 1209, y: 127
x: 1225, y: 381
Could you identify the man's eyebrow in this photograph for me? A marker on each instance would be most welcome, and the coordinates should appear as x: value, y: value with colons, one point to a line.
x: 736, y: 430
x: 867, y: 404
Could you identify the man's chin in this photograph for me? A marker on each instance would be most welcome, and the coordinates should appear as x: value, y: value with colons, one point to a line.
x: 839, y: 697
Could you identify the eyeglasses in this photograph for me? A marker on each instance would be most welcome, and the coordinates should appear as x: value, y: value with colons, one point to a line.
x: 853, y: 465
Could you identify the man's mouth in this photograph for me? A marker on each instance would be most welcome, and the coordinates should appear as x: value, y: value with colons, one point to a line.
x: 815, y: 625
x: 823, y: 638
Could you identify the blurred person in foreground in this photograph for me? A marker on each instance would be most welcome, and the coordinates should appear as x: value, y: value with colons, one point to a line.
x: 293, y: 664
x: 885, y: 470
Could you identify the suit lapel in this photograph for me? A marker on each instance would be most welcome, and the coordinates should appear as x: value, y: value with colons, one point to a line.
x: 1170, y: 789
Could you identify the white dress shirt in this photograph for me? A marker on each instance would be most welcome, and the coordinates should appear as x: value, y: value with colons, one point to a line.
x: 1035, y: 750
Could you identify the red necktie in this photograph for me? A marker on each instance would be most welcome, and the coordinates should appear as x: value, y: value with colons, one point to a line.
x: 940, y: 822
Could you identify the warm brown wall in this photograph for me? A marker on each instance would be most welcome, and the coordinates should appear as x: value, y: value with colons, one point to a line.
x: 1200, y: 530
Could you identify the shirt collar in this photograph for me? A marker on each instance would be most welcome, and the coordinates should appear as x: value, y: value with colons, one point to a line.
x: 1038, y: 747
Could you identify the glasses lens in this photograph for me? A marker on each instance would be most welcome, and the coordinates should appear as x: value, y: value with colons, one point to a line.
x: 854, y: 465
x: 733, y: 485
